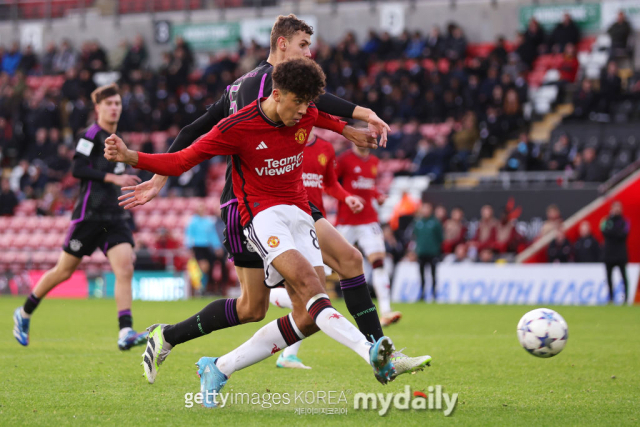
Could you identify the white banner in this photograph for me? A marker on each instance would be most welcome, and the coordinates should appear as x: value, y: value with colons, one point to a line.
x: 530, y: 284
x: 610, y: 11
x: 32, y: 34
x: 259, y: 29
x: 392, y: 18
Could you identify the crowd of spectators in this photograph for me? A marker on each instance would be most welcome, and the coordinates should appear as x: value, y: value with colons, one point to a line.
x: 480, y: 98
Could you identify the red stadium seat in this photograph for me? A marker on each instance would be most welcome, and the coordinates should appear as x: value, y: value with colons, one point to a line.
x: 6, y: 241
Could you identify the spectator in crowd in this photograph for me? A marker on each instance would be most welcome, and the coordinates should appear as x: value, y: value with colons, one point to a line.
x: 610, y: 87
x: 535, y: 36
x: 525, y: 157
x: 454, y: 231
x: 615, y: 229
x: 435, y: 44
x: 526, y: 51
x: 588, y: 168
x: 585, y: 101
x: 486, y: 255
x: 202, y: 238
x: 456, y: 43
x: 566, y: 32
x: 485, y: 237
x: 441, y: 213
x: 427, y: 234
x: 59, y: 164
x: 29, y: 61
x: 559, y: 249
x: 586, y: 248
x: 620, y: 31
x: 65, y: 58
x: 393, y: 246
x: 553, y: 221
x: 558, y: 158
x: 499, y: 51
x: 11, y: 59
x: 507, y: 237
x: 465, y: 139
x: 8, y: 199
x: 135, y: 58
x: 402, y: 216
x: 459, y: 255
x: 569, y: 65
x: 41, y: 149
x: 165, y: 241
x: 48, y: 59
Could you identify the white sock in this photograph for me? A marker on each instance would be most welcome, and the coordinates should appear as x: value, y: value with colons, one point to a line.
x: 336, y: 326
x: 292, y: 350
x: 123, y: 332
x: 279, y: 297
x: 382, y: 287
x: 24, y: 313
x: 264, y: 343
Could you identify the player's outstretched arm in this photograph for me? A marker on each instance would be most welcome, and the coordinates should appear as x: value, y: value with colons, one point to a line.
x: 333, y: 105
x: 138, y: 195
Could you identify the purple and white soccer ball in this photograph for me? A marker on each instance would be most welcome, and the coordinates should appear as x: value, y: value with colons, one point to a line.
x: 543, y: 332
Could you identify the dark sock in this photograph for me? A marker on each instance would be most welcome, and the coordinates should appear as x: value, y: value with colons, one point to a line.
x: 125, y: 320
x: 31, y: 304
x: 219, y: 314
x: 358, y: 300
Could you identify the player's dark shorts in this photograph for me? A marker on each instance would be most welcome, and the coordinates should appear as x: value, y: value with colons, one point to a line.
x: 84, y: 237
x: 203, y: 253
x: 235, y: 241
x: 315, y: 212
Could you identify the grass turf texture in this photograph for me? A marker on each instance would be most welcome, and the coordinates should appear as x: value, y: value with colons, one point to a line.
x: 72, y: 372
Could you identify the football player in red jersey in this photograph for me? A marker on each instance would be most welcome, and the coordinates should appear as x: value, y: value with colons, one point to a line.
x: 357, y: 169
x: 266, y: 141
x: 318, y: 176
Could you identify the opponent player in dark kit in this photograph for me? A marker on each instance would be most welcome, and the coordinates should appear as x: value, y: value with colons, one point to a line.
x: 97, y: 222
x: 290, y: 38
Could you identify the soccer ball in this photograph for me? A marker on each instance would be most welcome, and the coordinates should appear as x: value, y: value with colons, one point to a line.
x: 543, y: 332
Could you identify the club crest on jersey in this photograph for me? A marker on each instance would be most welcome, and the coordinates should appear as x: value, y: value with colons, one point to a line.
x: 301, y: 136
x: 75, y: 245
x: 374, y: 170
x: 322, y: 159
x: 273, y: 242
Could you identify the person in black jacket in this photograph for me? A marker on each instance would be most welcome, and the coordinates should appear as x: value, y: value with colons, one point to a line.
x: 615, y: 229
x: 586, y: 248
x: 559, y: 249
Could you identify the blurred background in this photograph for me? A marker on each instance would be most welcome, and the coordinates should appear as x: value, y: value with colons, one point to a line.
x: 516, y: 122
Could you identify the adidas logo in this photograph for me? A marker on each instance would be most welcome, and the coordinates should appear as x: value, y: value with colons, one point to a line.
x: 261, y: 146
x: 207, y: 370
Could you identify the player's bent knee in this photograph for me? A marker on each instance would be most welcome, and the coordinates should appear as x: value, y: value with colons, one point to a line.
x: 249, y: 313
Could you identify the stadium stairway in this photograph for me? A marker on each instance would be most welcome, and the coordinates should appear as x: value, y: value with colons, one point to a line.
x: 488, y: 167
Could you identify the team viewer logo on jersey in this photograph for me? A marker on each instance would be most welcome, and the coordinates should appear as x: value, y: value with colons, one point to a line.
x: 273, y: 242
x: 322, y: 159
x: 301, y: 136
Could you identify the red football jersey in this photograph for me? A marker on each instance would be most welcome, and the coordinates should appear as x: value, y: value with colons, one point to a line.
x: 319, y: 173
x: 266, y: 156
x: 358, y: 176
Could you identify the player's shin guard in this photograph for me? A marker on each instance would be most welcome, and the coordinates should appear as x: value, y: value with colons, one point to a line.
x: 270, y: 339
x: 336, y: 326
x: 280, y: 298
x: 356, y: 296
x: 219, y: 314
x: 382, y: 286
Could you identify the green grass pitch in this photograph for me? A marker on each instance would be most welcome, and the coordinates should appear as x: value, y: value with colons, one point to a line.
x: 73, y: 373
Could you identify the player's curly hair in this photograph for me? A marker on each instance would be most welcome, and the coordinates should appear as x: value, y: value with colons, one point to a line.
x: 287, y: 27
x: 300, y: 76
